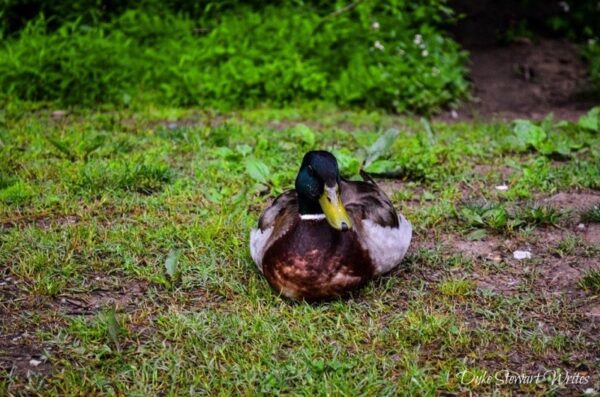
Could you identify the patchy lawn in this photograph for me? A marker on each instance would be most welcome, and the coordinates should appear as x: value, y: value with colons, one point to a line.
x: 125, y: 269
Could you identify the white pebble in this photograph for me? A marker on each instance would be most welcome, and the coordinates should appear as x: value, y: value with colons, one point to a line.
x: 520, y: 255
x: 581, y: 226
x: 34, y: 363
x: 502, y: 188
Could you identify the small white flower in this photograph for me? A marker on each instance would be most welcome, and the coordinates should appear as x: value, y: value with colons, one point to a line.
x: 565, y: 6
x: 454, y: 114
x: 375, y: 25
x: 424, y: 53
x: 418, y: 39
x: 378, y: 45
x: 502, y: 188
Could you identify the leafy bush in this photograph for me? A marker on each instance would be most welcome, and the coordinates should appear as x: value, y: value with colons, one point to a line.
x: 577, y: 19
x: 592, y: 54
x: 378, y: 54
x: 579, y: 22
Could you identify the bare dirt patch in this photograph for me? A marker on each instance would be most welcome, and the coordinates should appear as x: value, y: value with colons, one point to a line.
x: 575, y: 202
x: 519, y: 77
x: 490, y: 257
x: 21, y: 354
x: 592, y: 233
x: 126, y: 298
x: 528, y: 80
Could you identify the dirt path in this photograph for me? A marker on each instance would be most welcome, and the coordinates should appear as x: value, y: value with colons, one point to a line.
x: 522, y: 77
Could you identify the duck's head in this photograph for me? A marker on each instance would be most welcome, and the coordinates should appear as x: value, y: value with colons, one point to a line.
x: 318, y: 188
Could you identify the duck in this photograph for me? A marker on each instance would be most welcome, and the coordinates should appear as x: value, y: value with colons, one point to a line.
x: 328, y: 236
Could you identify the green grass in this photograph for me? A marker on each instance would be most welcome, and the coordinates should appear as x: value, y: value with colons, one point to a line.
x: 591, y: 281
x: 128, y: 235
x: 592, y: 215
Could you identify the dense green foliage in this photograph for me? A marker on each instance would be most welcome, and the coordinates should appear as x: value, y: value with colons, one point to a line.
x: 379, y: 54
x: 577, y: 20
x: 592, y: 54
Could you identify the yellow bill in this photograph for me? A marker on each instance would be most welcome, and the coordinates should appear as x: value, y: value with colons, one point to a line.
x: 334, y: 210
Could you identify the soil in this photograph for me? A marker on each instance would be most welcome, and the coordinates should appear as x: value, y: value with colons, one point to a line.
x: 519, y: 77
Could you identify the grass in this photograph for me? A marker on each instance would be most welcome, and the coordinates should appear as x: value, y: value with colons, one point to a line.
x: 591, y: 281
x: 592, y: 215
x: 125, y: 242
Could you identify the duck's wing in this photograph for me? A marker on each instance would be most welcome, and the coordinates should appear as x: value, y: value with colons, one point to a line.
x: 273, y: 223
x: 384, y: 234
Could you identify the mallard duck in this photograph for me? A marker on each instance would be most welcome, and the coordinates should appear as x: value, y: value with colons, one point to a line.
x: 328, y: 235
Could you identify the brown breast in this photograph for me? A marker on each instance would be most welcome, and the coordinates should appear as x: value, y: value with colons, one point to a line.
x: 314, y: 261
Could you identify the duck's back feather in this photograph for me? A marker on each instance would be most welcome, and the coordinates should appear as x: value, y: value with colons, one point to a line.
x: 383, y: 234
x: 364, y: 200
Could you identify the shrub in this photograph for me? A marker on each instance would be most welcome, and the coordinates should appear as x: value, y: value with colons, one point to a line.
x: 592, y: 54
x: 379, y: 54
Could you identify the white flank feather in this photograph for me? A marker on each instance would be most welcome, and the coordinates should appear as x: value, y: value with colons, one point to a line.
x: 258, y: 243
x: 386, y: 245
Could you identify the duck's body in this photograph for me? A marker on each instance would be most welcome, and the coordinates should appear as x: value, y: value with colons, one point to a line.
x: 309, y: 251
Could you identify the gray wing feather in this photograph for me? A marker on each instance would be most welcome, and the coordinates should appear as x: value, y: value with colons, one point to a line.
x: 285, y: 205
x: 365, y: 200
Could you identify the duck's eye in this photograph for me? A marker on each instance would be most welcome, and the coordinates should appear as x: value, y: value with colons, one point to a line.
x: 311, y: 171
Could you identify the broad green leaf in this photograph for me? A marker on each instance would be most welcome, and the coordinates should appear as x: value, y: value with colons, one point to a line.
x: 427, y: 139
x: 348, y: 163
x: 224, y: 152
x: 304, y: 133
x: 471, y: 216
x: 528, y: 134
x: 171, y: 263
x: 381, y: 167
x: 477, y: 235
x: 590, y: 121
x: 244, y: 150
x: 113, y: 327
x: 381, y: 145
x: 257, y: 170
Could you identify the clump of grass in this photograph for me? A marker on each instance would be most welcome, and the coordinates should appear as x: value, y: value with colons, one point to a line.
x: 592, y: 215
x: 423, y: 327
x: 145, y: 178
x: 591, y: 281
x: 436, y: 259
x: 141, y: 177
x: 568, y: 246
x: 456, y: 287
x: 76, y: 149
x: 499, y: 218
x: 537, y: 215
x: 16, y: 193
